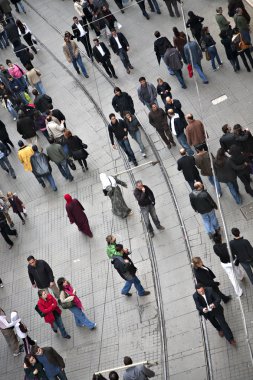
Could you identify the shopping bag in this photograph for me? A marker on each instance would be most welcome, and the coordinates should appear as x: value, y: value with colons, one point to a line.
x: 190, y: 71
x: 118, y: 25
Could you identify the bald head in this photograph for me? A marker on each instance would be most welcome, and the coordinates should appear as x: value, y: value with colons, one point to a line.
x: 198, y: 186
x: 189, y: 117
x: 169, y: 100
x: 171, y: 112
x: 182, y: 152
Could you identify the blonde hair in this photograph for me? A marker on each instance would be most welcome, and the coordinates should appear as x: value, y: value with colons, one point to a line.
x: 196, y: 261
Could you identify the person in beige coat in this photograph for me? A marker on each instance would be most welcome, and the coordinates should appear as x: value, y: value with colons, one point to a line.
x: 34, y: 78
x: 72, y: 54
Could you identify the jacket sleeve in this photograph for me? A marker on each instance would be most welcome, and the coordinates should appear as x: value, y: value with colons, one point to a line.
x: 216, y: 300
x: 147, y: 372
x: 140, y: 95
x: 210, y: 199
x: 192, y: 201
x: 114, y: 104
x: 150, y: 193
x: 154, y: 92
x: 48, y: 309
x: 187, y: 54
x: 139, y: 195
x: 199, y: 307
x: 111, y: 134
x: 106, y: 50
x: 113, y: 45
x: 124, y: 40
x: 157, y: 54
x: 49, y: 271
x: 179, y: 167
x: 31, y: 277
x: 54, y: 357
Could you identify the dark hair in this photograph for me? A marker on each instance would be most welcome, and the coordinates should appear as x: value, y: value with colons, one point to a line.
x: 67, y: 133
x: 26, y: 360
x: 34, y: 349
x: 113, y: 29
x: 191, y: 14
x: 235, y: 151
x: 235, y: 231
x: 111, y: 115
x: 220, y: 157
x: 20, y: 144
x: 113, y: 375
x: 141, y: 79
x: 96, y: 39
x: 51, y: 139
x: 217, y: 238
x: 237, y: 128
x: 199, y: 285
x: 127, y: 360
x: 116, y: 89
x: 29, y: 257
x: 75, y: 17
x: 8, y: 61
x: 36, y: 114
x: 224, y: 128
x: 118, y: 247
x: 223, y: 34
x: 21, y: 26
x: 200, y: 147
x: 176, y: 31
x: 28, y: 66
x: 49, y: 118
x: 157, y: 34
x: 60, y: 282
x: 35, y: 92
x: 40, y: 292
x: 35, y: 148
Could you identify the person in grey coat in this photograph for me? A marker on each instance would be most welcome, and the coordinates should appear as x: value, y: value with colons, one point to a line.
x: 173, y: 60
x: 56, y: 154
x: 193, y: 55
x: 139, y: 372
x: 147, y: 93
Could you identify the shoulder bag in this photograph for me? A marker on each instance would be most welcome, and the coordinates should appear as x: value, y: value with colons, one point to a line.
x: 67, y: 305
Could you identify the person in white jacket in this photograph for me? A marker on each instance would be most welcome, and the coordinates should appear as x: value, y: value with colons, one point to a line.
x: 22, y: 332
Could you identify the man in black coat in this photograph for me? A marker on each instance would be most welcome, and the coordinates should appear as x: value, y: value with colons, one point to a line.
x: 41, y: 275
x: 120, y: 46
x: 161, y: 44
x: 175, y: 105
x: 26, y: 128
x: 103, y: 56
x: 4, y: 137
x: 42, y: 102
x: 187, y: 165
x: 146, y: 200
x: 228, y: 138
x: 50, y: 358
x: 12, y: 31
x: 5, y: 230
x: 242, y: 250
x: 208, y: 304
x: 81, y: 33
x: 178, y: 125
x: 122, y: 102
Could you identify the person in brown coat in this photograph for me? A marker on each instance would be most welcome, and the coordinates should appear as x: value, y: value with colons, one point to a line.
x: 17, y: 205
x: 76, y: 215
x: 195, y: 132
x: 72, y: 54
x: 158, y: 119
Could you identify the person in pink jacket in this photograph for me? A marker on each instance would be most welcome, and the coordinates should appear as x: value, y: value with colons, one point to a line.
x: 18, y: 73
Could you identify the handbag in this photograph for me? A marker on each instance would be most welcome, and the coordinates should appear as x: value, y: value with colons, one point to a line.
x: 41, y: 314
x: 190, y: 71
x: 208, y: 57
x: 118, y: 25
x: 37, y: 73
x: 68, y: 304
x: 23, y: 328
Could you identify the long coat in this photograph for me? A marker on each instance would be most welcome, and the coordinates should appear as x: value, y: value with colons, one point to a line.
x: 76, y: 215
x: 47, y: 307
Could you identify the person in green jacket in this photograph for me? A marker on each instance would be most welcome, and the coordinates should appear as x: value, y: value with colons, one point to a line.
x: 111, y: 250
x: 221, y: 20
x: 56, y: 154
x: 242, y: 24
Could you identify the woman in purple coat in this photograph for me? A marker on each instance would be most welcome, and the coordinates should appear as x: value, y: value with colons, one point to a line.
x: 76, y: 215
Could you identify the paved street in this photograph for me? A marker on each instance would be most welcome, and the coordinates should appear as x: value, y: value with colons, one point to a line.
x: 125, y: 326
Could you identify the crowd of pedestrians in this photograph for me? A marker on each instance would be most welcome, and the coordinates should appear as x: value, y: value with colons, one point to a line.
x: 46, y: 140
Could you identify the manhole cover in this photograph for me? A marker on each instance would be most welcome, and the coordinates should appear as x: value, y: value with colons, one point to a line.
x: 247, y: 211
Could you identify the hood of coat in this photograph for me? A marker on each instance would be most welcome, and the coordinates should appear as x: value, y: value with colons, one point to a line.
x: 14, y: 317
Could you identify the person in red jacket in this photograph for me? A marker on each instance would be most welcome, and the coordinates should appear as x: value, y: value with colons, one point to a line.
x: 47, y: 304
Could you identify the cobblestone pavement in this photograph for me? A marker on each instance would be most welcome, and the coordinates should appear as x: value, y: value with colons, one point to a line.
x: 125, y: 326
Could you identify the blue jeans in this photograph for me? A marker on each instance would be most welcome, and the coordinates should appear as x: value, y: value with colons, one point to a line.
x: 81, y: 319
x: 125, y: 145
x: 39, y: 87
x: 22, y: 82
x: 21, y: 7
x: 183, y: 142
x: 136, y: 282
x: 137, y: 137
x: 12, y: 111
x: 61, y: 375
x: 149, y: 104
x: 234, y: 190
x: 124, y: 58
x: 78, y: 62
x: 50, y: 179
x: 199, y: 70
x: 210, y: 222
x: 179, y: 76
x: 6, y: 166
x: 154, y: 6
x: 246, y: 36
x: 64, y: 169
x: 214, y: 54
x: 213, y: 180
x: 59, y: 324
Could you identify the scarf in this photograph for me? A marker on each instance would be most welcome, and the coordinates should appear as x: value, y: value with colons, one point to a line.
x: 107, y: 181
x: 69, y: 290
x: 68, y: 198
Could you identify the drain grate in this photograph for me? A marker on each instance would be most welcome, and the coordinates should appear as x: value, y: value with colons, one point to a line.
x: 247, y: 211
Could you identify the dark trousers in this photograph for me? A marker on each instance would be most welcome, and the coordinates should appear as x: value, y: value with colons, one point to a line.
x: 5, y: 231
x: 86, y: 43
x: 27, y: 343
x: 216, y: 317
x: 28, y: 39
x: 247, y: 267
x: 125, y: 145
x: 119, y: 3
x: 192, y: 181
x: 8, y: 142
x: 107, y: 65
x: 20, y: 215
x: 143, y: 9
x: 169, y: 4
x: 243, y: 55
x: 82, y: 162
x: 245, y: 178
x: 166, y: 136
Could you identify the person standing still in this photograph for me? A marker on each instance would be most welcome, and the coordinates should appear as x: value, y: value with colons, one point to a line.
x: 146, y: 201
x: 52, y: 362
x: 41, y: 275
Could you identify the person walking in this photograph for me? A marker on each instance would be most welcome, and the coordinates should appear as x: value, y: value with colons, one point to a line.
x: 206, y: 277
x: 208, y: 304
x: 139, y: 371
x: 23, y: 53
x: 5, y: 229
x: 118, y: 129
x: 193, y: 56
x: 221, y: 20
x: 108, y: 17
x: 242, y: 49
x: 78, y: 5
x: 76, y: 149
x: 234, y: 272
x: 22, y: 331
x: 163, y: 89
x: 172, y: 59
x: 231, y: 53
x: 19, y: 6
x: 242, y: 24
x: 122, y: 102
x: 4, y: 161
x: 133, y: 127
x: 34, y: 78
x: 126, y: 269
x: 146, y: 200
x: 179, y: 41
x: 202, y: 202
x: 187, y: 165
x: 27, y: 35
x: 147, y: 93
x: 208, y: 45
x: 203, y: 163
x: 161, y: 44
x: 111, y: 188
x: 24, y: 155
x: 11, y: 30
x: 17, y: 205
x: 69, y: 300
x: 242, y: 251
x: 42, y: 101
x: 9, y: 335
x: 120, y: 47
x: 237, y: 159
x: 56, y: 154
x: 81, y: 33
x: 8, y: 100
x: 102, y: 55
x: 18, y: 73
x: 142, y: 6
x: 170, y: 4
x: 52, y: 362
x: 175, y: 105
x: 195, y: 132
x: 178, y: 125
x: 41, y: 275
x: 34, y: 369
x: 76, y: 215
x: 195, y: 24
x: 158, y: 119
x: 228, y: 138
x: 47, y: 304
x: 41, y: 168
x: 225, y: 173
x: 6, y: 206
x: 72, y: 54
